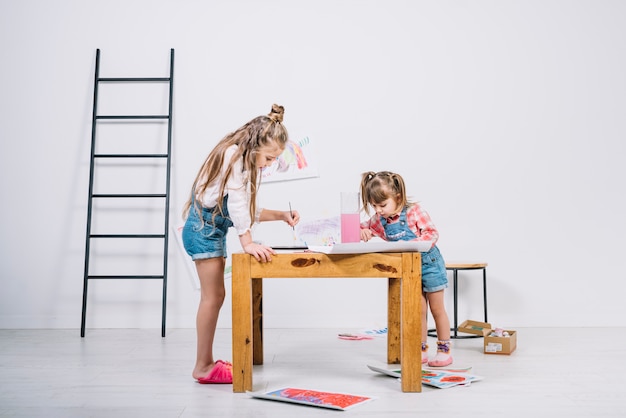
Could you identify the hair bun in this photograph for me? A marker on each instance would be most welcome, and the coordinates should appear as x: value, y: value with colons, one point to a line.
x: 277, y: 112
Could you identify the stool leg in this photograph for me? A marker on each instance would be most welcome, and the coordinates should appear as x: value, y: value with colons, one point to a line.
x: 485, y: 292
x: 456, y: 300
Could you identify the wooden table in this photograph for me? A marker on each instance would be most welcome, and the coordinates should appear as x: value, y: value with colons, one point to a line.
x: 403, y: 271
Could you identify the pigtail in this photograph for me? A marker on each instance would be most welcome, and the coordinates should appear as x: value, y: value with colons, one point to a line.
x: 365, y: 195
x: 400, y: 188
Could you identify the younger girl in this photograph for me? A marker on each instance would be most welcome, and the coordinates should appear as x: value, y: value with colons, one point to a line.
x: 398, y: 219
x: 223, y: 195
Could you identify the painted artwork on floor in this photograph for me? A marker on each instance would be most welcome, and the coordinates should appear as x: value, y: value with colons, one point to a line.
x: 441, y: 378
x: 331, y: 400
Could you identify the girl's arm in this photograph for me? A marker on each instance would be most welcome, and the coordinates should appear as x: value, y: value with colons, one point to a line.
x: 291, y: 217
x: 422, y: 224
x: 372, y: 228
x: 258, y: 251
x: 238, y: 194
x: 262, y: 252
x: 238, y: 210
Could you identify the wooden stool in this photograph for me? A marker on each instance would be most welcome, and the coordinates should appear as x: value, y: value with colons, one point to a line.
x: 455, y: 267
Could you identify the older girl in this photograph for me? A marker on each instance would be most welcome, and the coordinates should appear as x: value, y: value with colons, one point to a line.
x: 224, y: 195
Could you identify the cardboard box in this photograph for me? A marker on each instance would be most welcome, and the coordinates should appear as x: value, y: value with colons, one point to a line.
x: 475, y: 327
x: 501, y: 345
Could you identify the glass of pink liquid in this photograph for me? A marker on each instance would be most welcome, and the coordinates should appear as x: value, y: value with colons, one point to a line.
x: 350, y: 218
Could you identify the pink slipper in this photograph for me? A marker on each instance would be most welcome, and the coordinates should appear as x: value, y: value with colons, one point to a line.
x: 440, y: 361
x: 222, y: 372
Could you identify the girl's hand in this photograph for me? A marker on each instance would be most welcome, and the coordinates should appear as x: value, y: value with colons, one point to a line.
x: 258, y: 251
x: 291, y: 217
x: 366, y: 235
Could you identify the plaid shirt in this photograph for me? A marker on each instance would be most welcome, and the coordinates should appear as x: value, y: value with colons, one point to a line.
x: 418, y: 221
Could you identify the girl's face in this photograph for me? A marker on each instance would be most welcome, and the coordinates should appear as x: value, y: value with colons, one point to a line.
x: 387, y: 208
x: 267, y: 154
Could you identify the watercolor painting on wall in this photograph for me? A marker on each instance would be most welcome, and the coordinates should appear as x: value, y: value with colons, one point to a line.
x: 296, y: 162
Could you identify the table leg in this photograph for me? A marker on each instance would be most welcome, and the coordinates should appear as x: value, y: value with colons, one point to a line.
x: 411, y: 326
x: 257, y: 321
x: 455, y: 278
x: 242, y: 323
x: 393, y: 321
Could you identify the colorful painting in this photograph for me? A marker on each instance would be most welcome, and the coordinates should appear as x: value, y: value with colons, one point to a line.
x: 439, y: 378
x: 324, y: 231
x: 332, y: 400
x: 444, y: 379
x: 294, y: 163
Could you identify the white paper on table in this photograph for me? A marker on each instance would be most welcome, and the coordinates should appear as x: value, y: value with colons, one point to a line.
x: 373, y: 247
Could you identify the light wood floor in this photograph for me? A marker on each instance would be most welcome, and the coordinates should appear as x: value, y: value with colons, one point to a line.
x: 569, y: 372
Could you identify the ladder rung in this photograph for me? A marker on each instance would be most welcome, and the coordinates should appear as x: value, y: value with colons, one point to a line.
x: 130, y: 156
x: 125, y: 277
x: 127, y: 236
x: 132, y: 79
x: 112, y: 195
x: 133, y: 117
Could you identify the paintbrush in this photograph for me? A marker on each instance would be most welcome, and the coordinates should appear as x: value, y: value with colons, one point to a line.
x: 293, y: 226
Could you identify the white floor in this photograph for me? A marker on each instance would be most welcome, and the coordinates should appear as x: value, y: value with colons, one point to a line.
x: 568, y: 372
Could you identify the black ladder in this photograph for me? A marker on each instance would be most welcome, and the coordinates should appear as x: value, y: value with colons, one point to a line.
x: 120, y: 159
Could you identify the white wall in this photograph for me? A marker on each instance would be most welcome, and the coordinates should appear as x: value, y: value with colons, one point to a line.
x: 505, y: 118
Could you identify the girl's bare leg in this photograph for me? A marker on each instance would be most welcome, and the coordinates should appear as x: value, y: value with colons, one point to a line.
x: 212, y: 294
x: 440, y: 316
x: 442, y: 324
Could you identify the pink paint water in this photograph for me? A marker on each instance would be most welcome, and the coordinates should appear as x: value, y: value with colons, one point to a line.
x: 350, y: 229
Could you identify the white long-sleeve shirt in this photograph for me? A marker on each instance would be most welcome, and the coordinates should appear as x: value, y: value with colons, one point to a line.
x: 238, y: 191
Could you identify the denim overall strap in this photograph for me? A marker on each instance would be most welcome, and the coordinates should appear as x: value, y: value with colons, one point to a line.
x: 398, y: 231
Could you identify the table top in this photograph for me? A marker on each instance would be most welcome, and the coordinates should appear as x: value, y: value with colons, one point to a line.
x: 310, y: 264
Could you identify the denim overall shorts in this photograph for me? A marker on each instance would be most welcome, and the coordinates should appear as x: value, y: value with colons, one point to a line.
x: 434, y: 275
x: 205, y: 236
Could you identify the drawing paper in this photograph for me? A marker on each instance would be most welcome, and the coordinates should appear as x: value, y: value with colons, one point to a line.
x: 373, y: 247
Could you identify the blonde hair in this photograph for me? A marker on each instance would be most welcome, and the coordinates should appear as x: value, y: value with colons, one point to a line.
x: 378, y: 187
x: 259, y: 132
